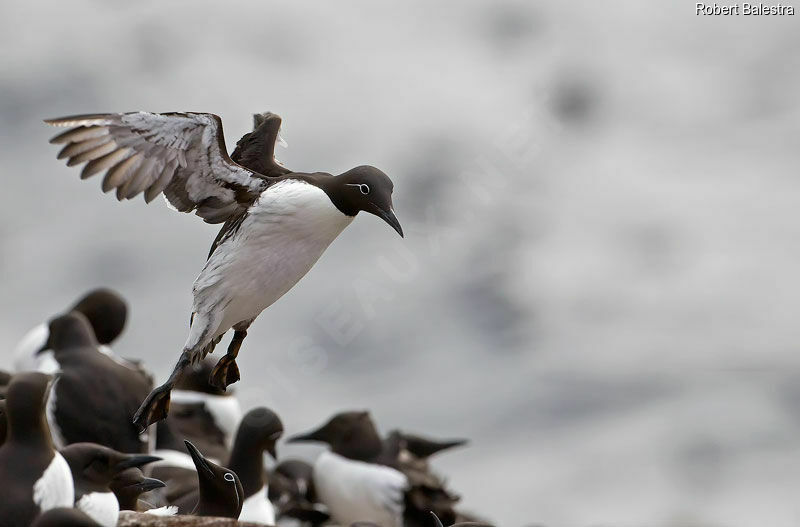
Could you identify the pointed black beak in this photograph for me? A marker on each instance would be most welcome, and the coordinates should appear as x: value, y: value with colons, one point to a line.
x: 391, y: 219
x: 197, y: 457
x: 273, y: 451
x: 315, y: 435
x: 437, y: 521
x: 148, y: 484
x: 135, y: 460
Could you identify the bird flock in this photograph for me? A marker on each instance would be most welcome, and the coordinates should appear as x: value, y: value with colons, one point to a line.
x: 86, y: 437
x: 71, y: 454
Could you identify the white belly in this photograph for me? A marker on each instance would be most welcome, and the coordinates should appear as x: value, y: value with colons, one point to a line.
x: 257, y: 508
x: 55, y: 487
x: 285, y: 233
x: 355, y: 491
x: 102, y: 507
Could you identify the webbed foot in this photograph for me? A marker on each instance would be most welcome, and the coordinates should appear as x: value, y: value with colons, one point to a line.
x: 154, y: 408
x: 225, y: 373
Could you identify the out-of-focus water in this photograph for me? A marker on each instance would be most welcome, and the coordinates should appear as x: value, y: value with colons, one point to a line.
x: 599, y: 283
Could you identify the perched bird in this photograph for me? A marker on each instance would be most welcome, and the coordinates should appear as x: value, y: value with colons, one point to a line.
x: 347, y: 481
x: 219, y: 489
x: 89, y: 379
x: 106, y: 312
x: 276, y: 223
x: 203, y: 413
x: 291, y: 489
x: 93, y: 468
x: 64, y: 517
x: 129, y: 485
x: 258, y: 432
x: 33, y: 476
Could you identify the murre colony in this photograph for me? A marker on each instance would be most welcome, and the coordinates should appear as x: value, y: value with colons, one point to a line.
x: 76, y: 448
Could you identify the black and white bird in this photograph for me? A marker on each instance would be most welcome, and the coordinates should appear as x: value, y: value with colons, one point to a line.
x: 205, y: 414
x: 220, y: 492
x: 89, y: 379
x: 106, y: 311
x: 276, y: 223
x: 34, y: 477
x: 347, y: 481
x: 93, y: 468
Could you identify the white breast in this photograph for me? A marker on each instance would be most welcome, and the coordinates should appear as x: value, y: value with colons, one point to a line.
x: 357, y: 491
x: 257, y: 508
x: 285, y: 233
x: 55, y: 487
x: 102, y: 507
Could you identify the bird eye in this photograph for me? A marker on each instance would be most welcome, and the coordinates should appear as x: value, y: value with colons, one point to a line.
x: 363, y: 187
x: 228, y: 476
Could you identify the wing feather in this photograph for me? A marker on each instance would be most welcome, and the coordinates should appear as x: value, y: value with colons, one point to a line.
x: 181, y: 155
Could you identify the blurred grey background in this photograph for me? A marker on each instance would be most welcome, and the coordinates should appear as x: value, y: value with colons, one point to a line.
x: 599, y: 283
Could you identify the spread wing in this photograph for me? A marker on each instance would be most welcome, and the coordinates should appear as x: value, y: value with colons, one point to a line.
x: 182, y: 155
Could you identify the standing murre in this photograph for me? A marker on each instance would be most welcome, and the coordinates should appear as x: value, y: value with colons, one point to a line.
x: 107, y: 313
x: 205, y: 414
x: 93, y: 468
x: 64, y: 517
x: 91, y: 379
x: 33, y: 476
x: 277, y: 223
x: 347, y: 481
x: 219, y: 489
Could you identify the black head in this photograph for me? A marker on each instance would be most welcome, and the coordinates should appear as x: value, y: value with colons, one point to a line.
x: 106, y: 312
x: 350, y: 434
x: 70, y: 331
x: 94, y: 466
x: 221, y: 492
x: 364, y: 188
x: 62, y: 517
x: 262, y: 428
x: 25, y: 403
x: 131, y: 483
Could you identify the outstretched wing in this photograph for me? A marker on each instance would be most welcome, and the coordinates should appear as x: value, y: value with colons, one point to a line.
x: 182, y: 155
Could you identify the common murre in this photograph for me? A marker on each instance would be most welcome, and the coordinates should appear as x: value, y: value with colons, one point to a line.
x: 258, y: 432
x: 91, y: 379
x: 277, y: 223
x: 291, y: 489
x: 33, y: 476
x: 352, y: 487
x: 93, y: 468
x: 219, y: 489
x: 107, y: 313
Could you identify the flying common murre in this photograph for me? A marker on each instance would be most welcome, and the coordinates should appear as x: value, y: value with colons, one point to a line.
x: 277, y: 223
x: 33, y: 476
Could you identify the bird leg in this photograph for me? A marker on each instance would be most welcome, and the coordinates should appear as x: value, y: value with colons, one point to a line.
x: 156, y: 406
x: 226, y: 372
